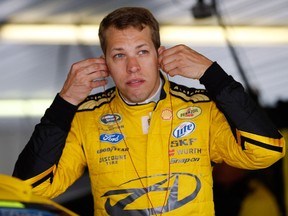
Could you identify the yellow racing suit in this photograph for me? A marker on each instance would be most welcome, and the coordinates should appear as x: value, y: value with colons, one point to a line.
x: 155, y: 158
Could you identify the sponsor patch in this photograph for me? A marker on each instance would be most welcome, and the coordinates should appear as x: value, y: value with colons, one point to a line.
x: 183, y: 129
x: 111, y: 149
x: 109, y: 119
x: 111, y: 138
x: 124, y: 199
x: 184, y: 160
x: 171, y: 152
x: 189, y: 151
x: 145, y: 124
x: 182, y: 142
x: 112, y: 160
x: 166, y: 114
x: 189, y: 112
x: 112, y: 128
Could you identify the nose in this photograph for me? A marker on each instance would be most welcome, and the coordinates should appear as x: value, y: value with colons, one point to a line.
x: 133, y: 65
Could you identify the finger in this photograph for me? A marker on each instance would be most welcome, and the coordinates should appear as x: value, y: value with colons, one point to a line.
x: 89, y: 72
x: 161, y: 50
x: 98, y: 83
x: 172, y: 50
x: 175, y: 70
x: 167, y: 57
x: 94, y: 67
x: 85, y: 75
x: 168, y: 68
x: 98, y: 75
x: 168, y: 63
x: 87, y: 62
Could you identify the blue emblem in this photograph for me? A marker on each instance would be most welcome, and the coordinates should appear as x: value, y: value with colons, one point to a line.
x: 184, y: 129
x: 111, y: 138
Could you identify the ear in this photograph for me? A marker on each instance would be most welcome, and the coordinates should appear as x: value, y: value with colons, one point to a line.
x: 160, y: 51
x: 103, y: 57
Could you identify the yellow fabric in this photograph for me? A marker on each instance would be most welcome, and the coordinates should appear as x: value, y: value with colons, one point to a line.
x: 15, y: 193
x: 119, y: 170
x: 284, y: 132
x: 260, y: 202
x: 40, y: 176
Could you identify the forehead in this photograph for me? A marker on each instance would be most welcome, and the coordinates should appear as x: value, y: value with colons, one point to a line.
x: 119, y: 37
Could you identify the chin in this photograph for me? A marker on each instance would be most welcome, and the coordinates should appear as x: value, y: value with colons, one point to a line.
x: 137, y: 99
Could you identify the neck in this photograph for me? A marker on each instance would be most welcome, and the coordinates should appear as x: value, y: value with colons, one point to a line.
x: 154, y: 98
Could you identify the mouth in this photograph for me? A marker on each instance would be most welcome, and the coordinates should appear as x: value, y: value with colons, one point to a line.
x: 135, y: 82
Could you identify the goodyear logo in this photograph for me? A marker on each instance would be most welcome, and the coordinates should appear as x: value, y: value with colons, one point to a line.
x: 111, y: 138
x: 109, y: 119
x: 183, y: 129
x: 189, y: 112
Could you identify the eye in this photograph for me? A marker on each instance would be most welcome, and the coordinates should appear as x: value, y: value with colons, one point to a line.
x: 143, y: 52
x: 118, y: 55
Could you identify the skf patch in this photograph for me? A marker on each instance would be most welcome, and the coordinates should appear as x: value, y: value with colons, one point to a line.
x: 189, y: 112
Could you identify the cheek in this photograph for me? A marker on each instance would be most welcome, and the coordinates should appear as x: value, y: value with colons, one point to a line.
x: 113, y: 68
x: 116, y: 72
x: 152, y: 65
x: 114, y: 64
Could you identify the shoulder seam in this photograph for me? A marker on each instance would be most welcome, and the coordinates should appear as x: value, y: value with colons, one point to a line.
x: 189, y: 94
x: 97, y: 100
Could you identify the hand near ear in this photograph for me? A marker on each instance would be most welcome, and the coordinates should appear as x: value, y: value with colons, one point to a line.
x: 83, y: 77
x: 184, y: 61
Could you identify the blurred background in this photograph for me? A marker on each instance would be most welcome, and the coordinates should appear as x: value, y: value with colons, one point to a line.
x: 40, y: 39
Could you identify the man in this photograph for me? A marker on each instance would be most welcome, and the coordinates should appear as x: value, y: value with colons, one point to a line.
x: 149, y: 144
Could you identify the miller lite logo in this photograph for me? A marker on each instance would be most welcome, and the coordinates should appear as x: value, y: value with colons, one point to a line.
x: 183, y: 129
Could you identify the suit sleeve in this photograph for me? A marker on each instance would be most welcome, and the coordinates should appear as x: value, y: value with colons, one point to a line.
x: 41, y: 155
x: 257, y: 141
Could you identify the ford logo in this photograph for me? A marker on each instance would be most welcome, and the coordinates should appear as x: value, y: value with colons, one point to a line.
x: 111, y: 138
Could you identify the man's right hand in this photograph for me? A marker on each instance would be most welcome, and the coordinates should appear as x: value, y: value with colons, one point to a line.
x: 83, y: 77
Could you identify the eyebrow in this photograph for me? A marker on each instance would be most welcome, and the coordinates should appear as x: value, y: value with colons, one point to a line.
x: 141, y: 45
x: 137, y: 47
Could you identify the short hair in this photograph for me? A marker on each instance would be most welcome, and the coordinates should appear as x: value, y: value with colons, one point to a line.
x: 126, y: 17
